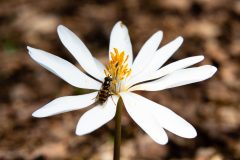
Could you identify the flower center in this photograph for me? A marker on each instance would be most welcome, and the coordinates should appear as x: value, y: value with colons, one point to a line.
x: 118, y: 69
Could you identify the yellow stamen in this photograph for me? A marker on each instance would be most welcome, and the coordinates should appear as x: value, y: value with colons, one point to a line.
x: 118, y: 68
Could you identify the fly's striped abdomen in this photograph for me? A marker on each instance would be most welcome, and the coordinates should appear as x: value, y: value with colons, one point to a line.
x: 104, y: 92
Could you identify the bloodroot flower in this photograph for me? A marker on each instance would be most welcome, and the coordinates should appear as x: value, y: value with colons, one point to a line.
x: 120, y: 78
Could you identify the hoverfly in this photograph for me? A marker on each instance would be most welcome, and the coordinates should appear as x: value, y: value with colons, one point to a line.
x: 104, y: 92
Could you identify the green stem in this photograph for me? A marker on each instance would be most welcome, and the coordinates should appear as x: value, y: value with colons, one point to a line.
x: 117, y: 136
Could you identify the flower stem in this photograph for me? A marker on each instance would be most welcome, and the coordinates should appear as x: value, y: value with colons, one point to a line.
x: 117, y: 136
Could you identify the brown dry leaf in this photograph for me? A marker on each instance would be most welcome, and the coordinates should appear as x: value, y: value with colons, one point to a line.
x: 51, y: 151
x: 148, y: 149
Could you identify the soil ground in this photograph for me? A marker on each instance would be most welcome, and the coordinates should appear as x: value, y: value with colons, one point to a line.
x: 211, y: 28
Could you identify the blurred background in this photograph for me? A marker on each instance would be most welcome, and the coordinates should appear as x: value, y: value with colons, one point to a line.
x: 211, y: 28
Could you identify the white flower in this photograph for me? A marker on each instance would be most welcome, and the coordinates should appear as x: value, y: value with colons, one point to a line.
x: 145, y: 73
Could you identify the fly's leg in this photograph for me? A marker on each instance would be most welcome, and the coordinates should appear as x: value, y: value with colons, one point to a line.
x: 110, y: 94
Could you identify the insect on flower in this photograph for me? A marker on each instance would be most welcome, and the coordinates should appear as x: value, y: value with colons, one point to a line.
x: 119, y: 79
x: 105, y: 91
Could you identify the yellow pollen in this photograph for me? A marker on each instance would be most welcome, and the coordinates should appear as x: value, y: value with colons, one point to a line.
x: 118, y: 68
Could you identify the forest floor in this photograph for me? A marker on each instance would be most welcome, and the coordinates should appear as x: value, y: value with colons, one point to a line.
x: 210, y: 28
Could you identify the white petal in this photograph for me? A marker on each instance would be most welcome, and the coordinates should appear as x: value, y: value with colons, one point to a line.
x: 160, y: 57
x: 120, y: 39
x: 178, y: 78
x: 180, y: 64
x: 164, y: 53
x: 79, y: 51
x: 143, y: 117
x: 165, y: 117
x: 97, y: 116
x: 63, y: 69
x: 146, y: 53
x: 100, y: 66
x: 65, y: 104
